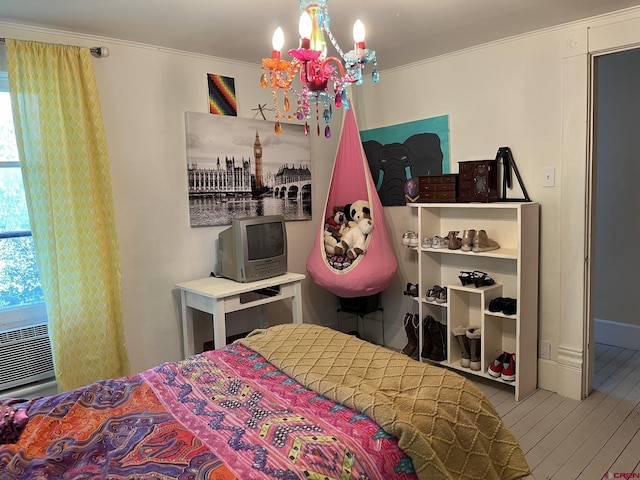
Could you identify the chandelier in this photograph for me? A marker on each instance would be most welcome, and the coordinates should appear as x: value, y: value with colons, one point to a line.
x: 324, y: 79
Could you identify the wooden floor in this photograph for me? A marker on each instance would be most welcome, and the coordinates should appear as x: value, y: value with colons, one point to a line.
x: 565, y: 439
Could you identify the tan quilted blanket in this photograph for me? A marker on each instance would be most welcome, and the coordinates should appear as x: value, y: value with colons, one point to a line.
x: 442, y: 421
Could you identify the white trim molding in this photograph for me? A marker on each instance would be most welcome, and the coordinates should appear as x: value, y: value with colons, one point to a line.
x: 570, y: 376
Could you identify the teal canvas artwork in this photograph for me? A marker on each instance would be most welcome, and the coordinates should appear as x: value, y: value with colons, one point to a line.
x: 399, y: 154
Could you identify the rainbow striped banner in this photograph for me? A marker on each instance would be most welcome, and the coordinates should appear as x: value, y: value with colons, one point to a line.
x: 222, y: 95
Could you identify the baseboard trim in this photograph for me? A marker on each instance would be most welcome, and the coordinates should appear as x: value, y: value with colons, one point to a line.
x: 569, y: 372
x: 618, y: 334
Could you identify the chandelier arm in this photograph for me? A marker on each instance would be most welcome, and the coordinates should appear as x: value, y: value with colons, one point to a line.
x: 327, y: 60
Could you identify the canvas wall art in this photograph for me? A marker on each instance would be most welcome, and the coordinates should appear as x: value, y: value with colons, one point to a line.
x: 222, y: 95
x: 399, y: 153
x: 238, y: 167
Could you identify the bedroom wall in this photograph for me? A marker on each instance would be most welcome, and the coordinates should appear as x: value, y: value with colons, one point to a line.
x: 144, y: 92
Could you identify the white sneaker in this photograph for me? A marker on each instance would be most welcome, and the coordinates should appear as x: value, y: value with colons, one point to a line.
x: 427, y: 242
x: 405, y: 239
x: 440, y: 242
x: 413, y: 239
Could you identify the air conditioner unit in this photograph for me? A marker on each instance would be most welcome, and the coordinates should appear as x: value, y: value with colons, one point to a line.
x: 25, y: 355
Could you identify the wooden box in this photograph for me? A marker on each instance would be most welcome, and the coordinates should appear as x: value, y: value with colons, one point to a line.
x: 478, y: 181
x: 438, y: 188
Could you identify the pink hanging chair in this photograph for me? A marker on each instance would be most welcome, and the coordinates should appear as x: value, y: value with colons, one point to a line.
x: 351, y: 180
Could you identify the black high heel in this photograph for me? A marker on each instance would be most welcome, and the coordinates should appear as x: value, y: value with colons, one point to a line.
x: 481, y: 279
x: 466, y: 278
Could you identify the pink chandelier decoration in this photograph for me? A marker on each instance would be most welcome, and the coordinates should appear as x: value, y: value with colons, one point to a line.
x: 324, y: 79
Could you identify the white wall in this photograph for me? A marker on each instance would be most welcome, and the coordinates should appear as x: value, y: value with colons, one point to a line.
x: 144, y: 92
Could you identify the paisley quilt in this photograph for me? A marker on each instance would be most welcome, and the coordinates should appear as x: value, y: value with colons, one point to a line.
x: 224, y: 414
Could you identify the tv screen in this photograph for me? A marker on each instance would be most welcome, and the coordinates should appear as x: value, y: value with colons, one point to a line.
x: 264, y: 240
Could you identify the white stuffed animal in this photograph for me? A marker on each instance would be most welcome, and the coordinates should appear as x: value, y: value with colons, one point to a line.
x: 356, y: 211
x: 353, y: 240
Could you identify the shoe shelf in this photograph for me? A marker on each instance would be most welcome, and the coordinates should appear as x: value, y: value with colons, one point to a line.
x: 508, y: 253
x: 437, y: 304
x: 514, y: 269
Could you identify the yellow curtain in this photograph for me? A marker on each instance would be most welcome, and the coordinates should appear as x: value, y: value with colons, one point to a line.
x: 65, y: 167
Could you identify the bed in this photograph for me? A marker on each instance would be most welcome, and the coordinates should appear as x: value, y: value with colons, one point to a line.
x: 287, y: 402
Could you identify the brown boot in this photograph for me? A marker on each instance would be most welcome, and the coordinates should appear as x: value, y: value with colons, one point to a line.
x: 412, y: 339
x: 455, y: 242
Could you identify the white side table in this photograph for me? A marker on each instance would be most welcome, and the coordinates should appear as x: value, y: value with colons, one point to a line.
x: 219, y: 296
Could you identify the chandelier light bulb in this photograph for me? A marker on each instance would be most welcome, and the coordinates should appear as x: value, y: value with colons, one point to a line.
x: 358, y: 31
x: 277, y: 42
x: 305, y: 26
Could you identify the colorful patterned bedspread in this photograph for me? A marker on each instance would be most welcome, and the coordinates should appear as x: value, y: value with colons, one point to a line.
x: 221, y: 415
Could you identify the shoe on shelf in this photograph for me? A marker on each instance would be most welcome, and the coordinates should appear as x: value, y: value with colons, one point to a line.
x: 412, y: 338
x: 440, y: 242
x: 432, y: 293
x: 510, y: 306
x: 438, y: 341
x: 481, y: 279
x: 427, y: 341
x: 497, y: 304
x: 506, y: 305
x: 466, y: 278
x: 466, y: 244
x: 453, y: 241
x: 413, y: 239
x: 405, y: 238
x: 412, y: 290
x: 442, y: 295
x: 465, y: 350
x: 508, y: 373
x: 474, y: 334
x: 482, y: 243
x: 427, y: 242
x: 495, y: 369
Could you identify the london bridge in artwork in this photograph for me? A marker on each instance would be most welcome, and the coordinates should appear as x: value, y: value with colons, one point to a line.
x: 238, y: 167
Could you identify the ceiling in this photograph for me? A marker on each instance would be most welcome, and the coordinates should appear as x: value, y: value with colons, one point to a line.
x: 401, y: 31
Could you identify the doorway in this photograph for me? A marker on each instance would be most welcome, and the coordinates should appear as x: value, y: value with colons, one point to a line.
x: 614, y: 217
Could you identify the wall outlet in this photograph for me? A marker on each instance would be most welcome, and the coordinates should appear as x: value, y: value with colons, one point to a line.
x: 544, y: 349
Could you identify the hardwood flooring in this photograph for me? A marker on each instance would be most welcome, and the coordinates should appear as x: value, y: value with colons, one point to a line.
x: 565, y: 439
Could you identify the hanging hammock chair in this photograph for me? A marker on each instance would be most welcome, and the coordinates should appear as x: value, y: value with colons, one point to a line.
x: 351, y: 181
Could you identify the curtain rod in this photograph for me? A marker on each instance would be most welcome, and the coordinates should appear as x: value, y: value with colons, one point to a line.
x: 98, y: 52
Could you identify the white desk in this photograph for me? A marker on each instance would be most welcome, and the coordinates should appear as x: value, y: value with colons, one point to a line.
x: 219, y: 296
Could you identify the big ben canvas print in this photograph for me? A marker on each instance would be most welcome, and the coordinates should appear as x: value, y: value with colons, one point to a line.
x: 239, y: 167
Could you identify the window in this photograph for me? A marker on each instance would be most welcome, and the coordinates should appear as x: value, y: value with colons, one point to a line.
x: 20, y: 291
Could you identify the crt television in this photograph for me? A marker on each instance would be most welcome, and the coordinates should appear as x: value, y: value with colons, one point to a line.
x: 253, y: 248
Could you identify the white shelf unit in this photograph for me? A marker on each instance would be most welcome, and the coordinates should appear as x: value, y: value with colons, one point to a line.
x: 514, y: 267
